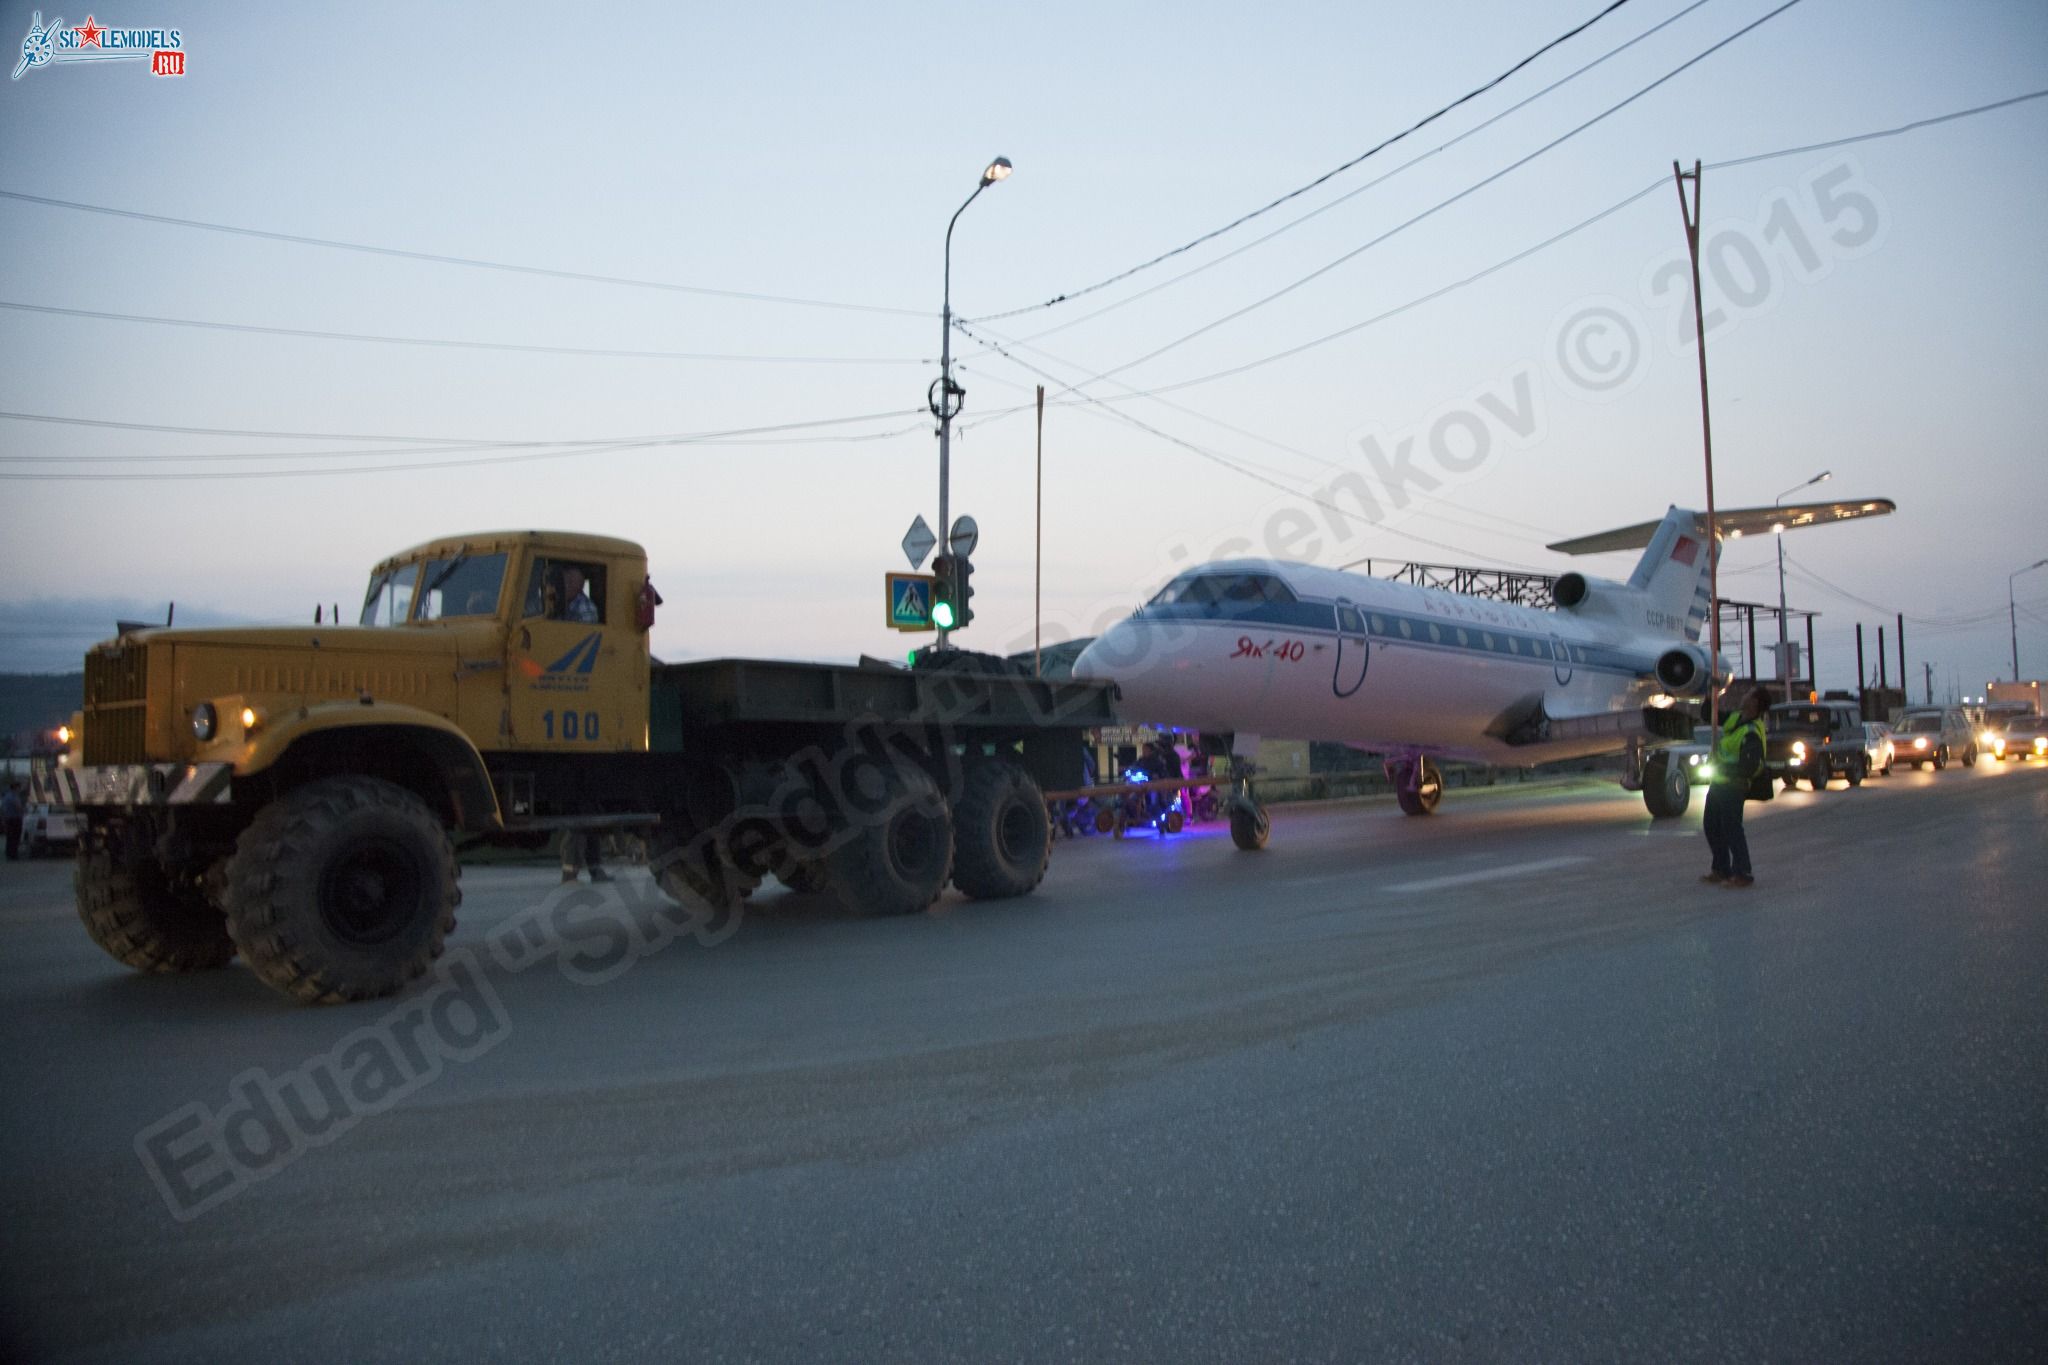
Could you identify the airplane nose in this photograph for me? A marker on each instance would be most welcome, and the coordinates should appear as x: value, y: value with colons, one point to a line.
x: 1109, y: 657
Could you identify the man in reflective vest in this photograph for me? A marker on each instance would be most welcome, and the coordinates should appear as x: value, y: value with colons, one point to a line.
x: 1738, y: 764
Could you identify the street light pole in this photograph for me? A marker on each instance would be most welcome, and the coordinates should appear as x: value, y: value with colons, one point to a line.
x: 946, y: 395
x: 1784, y: 644
x: 2012, y: 613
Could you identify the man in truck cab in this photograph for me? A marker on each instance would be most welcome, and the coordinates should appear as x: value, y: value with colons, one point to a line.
x: 574, y: 601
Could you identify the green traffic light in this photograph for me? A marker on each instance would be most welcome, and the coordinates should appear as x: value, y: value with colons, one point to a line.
x: 942, y: 615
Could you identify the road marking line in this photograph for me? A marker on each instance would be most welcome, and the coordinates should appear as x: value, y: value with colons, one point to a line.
x: 1490, y: 874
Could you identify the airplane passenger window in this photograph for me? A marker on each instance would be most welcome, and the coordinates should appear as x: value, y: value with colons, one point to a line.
x: 1349, y: 621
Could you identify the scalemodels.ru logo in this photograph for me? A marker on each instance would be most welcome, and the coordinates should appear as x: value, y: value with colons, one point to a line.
x: 162, y: 48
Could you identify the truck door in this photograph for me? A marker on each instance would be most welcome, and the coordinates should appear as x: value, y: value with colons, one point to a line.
x: 565, y: 674
x: 1353, y: 650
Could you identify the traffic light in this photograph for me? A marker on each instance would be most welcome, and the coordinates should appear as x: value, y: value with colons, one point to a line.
x: 946, y: 600
x: 963, y: 591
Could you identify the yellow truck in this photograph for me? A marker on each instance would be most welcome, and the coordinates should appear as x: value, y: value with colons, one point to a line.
x: 297, y: 796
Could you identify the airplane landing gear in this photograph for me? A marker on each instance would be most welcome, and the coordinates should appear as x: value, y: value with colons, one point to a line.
x: 1418, y: 786
x: 1249, y: 824
x: 1667, y: 786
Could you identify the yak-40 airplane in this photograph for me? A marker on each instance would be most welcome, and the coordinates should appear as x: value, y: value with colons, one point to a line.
x: 1265, y: 648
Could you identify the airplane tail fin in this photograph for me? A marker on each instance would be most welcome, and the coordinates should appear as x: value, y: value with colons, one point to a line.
x: 1673, y: 572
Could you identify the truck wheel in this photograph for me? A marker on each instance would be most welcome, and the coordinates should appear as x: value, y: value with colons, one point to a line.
x: 1970, y: 757
x: 1855, y: 772
x: 1667, y: 787
x: 342, y: 890
x: 1001, y: 837
x: 1940, y: 759
x: 142, y: 918
x: 896, y: 861
x: 1249, y: 825
x: 806, y: 878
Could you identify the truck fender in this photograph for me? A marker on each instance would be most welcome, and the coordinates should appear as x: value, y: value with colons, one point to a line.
x: 419, y: 750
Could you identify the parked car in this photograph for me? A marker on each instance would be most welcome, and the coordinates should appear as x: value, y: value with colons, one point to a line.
x: 1815, y: 742
x: 1935, y: 736
x: 2023, y: 737
x: 46, y: 829
x: 1878, y: 747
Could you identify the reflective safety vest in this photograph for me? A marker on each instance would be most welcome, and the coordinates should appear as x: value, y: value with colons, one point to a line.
x: 1728, y: 755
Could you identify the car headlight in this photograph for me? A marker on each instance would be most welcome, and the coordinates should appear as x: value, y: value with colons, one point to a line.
x: 205, y: 722
x: 1707, y: 771
x: 1799, y: 748
x: 1988, y: 738
x: 1998, y: 746
x: 251, y: 718
x: 1920, y: 743
x: 2041, y: 746
x: 1692, y: 760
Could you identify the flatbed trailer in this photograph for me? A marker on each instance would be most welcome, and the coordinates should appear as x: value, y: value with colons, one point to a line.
x: 297, y: 797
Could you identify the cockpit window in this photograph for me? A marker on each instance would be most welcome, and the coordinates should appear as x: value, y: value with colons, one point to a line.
x: 389, y: 599
x: 1222, y: 589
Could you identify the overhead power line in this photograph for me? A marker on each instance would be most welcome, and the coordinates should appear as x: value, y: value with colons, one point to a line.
x: 734, y: 436
x: 1554, y: 239
x: 1350, y: 194
x: 1322, y: 179
x: 1237, y: 468
x: 475, y: 263
x: 603, y: 352
x: 1468, y: 191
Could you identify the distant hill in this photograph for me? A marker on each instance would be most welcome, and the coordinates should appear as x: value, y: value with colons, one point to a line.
x: 37, y: 702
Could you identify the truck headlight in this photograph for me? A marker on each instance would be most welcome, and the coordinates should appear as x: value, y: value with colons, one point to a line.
x: 205, y: 722
x: 2041, y: 746
x: 1920, y: 743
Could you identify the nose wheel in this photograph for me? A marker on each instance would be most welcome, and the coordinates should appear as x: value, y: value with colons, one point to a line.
x: 1418, y: 786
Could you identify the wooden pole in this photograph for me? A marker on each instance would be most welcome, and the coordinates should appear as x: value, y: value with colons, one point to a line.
x: 1038, y: 566
x: 1690, y: 212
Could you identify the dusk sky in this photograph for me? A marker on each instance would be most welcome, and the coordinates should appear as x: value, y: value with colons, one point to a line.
x: 1880, y: 303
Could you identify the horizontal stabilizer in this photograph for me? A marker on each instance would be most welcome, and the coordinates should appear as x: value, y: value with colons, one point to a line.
x: 1733, y: 523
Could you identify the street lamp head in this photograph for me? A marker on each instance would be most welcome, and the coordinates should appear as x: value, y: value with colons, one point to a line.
x: 1822, y: 477
x: 999, y: 169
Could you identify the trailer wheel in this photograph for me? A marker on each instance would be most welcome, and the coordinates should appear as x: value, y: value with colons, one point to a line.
x: 1001, y: 836
x: 1667, y: 786
x: 343, y: 890
x: 896, y: 861
x: 141, y: 917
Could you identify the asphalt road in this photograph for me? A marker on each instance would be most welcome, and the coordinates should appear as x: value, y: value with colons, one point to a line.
x: 1502, y: 1083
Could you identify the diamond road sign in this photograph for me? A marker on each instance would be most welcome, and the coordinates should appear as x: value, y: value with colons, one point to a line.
x: 918, y: 542
x: 909, y: 600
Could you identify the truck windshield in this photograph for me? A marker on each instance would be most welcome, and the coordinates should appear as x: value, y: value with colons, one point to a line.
x: 1799, y: 720
x: 465, y: 585
x: 389, y: 600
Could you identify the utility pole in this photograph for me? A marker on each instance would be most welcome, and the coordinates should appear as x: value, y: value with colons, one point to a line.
x: 1690, y: 212
x: 1930, y: 682
x: 1038, y: 566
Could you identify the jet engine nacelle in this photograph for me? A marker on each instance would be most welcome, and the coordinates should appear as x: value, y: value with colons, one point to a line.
x: 1687, y: 671
x: 1574, y: 591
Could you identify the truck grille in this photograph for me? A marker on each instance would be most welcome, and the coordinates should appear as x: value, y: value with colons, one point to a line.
x: 117, y: 706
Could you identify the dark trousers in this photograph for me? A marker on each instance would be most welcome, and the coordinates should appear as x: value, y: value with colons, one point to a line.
x: 580, y: 850
x: 1724, y: 830
x: 13, y: 837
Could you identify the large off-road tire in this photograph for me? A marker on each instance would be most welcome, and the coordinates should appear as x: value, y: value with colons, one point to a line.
x: 1667, y: 787
x: 806, y: 878
x: 1249, y: 825
x: 895, y: 860
x: 141, y: 917
x: 1002, y: 837
x: 344, y: 889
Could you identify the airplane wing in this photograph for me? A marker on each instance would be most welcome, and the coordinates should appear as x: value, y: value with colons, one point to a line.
x: 1733, y: 523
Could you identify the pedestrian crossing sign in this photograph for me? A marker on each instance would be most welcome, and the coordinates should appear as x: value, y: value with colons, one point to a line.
x: 909, y: 600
